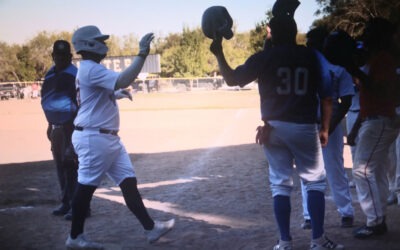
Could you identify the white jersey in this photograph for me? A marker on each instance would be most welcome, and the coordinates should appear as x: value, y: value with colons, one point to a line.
x: 342, y: 84
x: 95, y: 92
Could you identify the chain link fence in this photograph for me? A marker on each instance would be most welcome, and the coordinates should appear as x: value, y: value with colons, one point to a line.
x: 31, y: 89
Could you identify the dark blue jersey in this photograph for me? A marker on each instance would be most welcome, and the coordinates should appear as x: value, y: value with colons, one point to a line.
x: 59, y: 95
x: 291, y: 79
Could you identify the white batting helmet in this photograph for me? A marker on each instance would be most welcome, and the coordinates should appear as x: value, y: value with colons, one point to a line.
x: 90, y: 39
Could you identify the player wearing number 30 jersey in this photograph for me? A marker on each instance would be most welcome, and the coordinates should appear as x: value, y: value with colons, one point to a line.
x: 292, y: 83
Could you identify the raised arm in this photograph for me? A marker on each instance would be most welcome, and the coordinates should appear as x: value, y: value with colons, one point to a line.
x: 225, y: 69
x: 129, y: 74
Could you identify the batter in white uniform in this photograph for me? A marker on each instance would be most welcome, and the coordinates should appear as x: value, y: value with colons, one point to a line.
x: 95, y: 139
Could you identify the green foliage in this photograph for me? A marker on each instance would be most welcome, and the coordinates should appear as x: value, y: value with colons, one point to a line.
x: 25, y: 65
x: 259, y: 34
x: 8, y: 62
x: 351, y: 16
x: 187, y: 54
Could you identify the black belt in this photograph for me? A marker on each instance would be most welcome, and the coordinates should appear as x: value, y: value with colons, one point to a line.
x: 55, y: 126
x: 354, y: 110
x: 101, y: 130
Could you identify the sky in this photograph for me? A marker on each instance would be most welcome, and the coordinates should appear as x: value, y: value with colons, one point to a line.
x: 22, y: 20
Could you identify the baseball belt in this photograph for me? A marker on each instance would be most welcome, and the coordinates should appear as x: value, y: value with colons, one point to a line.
x: 101, y: 130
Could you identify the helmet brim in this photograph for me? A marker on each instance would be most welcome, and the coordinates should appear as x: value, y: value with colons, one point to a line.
x: 101, y: 38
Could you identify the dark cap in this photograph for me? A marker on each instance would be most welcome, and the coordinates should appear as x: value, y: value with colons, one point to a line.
x: 61, y: 47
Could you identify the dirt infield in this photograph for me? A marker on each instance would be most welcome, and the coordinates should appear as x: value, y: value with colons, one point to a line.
x: 196, y: 161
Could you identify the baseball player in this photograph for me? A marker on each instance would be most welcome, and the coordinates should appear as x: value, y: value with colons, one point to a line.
x: 377, y: 131
x: 394, y: 172
x: 290, y: 78
x: 95, y: 139
x: 343, y: 90
x: 59, y: 105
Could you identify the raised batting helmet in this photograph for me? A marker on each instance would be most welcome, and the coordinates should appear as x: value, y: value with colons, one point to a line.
x: 90, y: 39
x: 216, y: 21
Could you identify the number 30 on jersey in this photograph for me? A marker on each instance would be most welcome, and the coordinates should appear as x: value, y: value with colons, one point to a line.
x: 293, y: 81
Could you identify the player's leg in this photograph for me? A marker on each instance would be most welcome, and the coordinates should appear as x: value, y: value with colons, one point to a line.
x: 95, y: 156
x: 71, y: 172
x: 382, y: 183
x: 122, y: 172
x: 134, y: 202
x: 309, y: 164
x: 307, y: 220
x: 80, y: 206
x: 70, y: 165
x: 280, y: 176
x: 57, y: 139
x: 337, y: 176
x: 375, y: 137
x: 280, y: 162
x: 397, y: 182
x: 391, y: 174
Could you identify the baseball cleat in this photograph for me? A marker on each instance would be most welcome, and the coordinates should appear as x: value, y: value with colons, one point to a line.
x: 160, y: 228
x: 283, y: 245
x: 61, y: 210
x: 82, y: 243
x: 323, y: 243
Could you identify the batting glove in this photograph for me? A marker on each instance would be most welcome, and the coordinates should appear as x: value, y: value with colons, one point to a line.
x: 144, y: 45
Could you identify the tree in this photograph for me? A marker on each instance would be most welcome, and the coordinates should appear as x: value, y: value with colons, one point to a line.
x: 26, y: 66
x: 184, y: 55
x: 130, y: 45
x: 39, y: 56
x: 114, y: 46
x: 351, y: 16
x: 8, y: 62
x: 259, y: 33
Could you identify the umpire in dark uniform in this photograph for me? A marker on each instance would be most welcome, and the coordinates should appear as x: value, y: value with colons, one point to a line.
x: 60, y: 107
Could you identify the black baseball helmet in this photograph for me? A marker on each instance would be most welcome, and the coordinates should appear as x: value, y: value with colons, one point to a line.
x: 216, y: 21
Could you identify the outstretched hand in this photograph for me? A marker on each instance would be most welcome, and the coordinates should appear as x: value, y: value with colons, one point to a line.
x: 144, y: 44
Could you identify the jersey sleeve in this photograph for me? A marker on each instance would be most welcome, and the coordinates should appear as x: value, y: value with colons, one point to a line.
x: 346, y: 86
x: 103, y: 77
x: 248, y: 72
x: 325, y: 84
